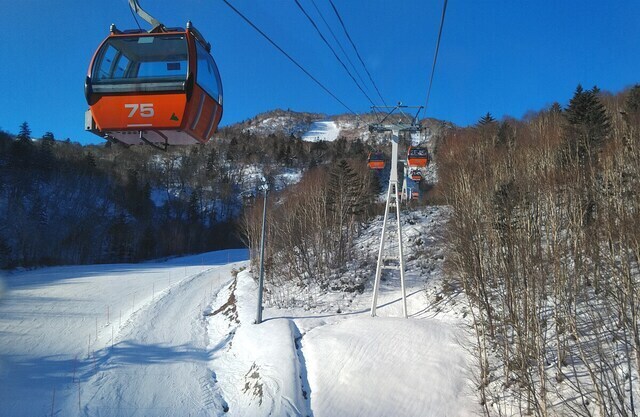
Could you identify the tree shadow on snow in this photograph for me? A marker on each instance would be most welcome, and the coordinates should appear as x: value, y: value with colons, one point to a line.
x: 54, y: 370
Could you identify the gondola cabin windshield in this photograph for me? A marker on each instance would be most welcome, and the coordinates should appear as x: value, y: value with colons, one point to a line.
x: 141, y: 59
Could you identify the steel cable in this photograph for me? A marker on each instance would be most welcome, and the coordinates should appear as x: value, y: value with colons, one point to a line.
x: 250, y: 23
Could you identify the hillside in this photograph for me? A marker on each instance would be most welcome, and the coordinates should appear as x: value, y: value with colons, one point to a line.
x: 303, y: 125
x: 522, y: 290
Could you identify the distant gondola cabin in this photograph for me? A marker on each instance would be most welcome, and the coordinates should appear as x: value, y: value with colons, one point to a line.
x: 417, y: 157
x: 376, y: 160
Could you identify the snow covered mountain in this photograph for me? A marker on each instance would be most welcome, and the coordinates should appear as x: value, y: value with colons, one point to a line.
x: 315, y: 127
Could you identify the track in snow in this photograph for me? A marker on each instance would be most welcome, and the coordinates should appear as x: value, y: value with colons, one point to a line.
x: 159, y: 365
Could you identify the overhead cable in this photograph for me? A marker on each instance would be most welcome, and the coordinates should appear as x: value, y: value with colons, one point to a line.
x: 333, y: 51
x: 435, y: 56
x: 287, y: 55
x: 335, y: 38
x: 356, y: 49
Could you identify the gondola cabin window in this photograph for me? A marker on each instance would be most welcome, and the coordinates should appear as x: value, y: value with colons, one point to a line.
x: 143, y: 59
x: 208, y: 76
x: 110, y: 67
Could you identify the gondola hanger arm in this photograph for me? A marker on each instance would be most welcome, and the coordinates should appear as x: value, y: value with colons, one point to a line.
x: 155, y: 23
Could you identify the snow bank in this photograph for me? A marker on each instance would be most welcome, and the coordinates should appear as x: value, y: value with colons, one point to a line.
x: 385, y: 367
x: 259, y: 373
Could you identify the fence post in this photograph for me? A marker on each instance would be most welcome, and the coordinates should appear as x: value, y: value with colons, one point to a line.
x: 53, y: 400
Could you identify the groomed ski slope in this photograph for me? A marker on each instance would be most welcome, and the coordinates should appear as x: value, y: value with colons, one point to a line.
x: 326, y: 131
x: 53, y: 362
x: 187, y: 347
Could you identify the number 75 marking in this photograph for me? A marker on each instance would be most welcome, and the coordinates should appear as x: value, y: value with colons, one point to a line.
x: 145, y: 109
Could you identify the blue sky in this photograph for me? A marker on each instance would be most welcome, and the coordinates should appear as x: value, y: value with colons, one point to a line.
x: 505, y: 57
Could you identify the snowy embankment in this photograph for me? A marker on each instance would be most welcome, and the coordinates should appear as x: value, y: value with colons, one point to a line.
x: 326, y: 131
x: 184, y: 342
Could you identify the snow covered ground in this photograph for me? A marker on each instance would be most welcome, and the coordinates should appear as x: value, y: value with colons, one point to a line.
x: 326, y: 131
x: 177, y: 338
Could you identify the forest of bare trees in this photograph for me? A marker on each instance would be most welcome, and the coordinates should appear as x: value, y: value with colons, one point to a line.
x: 312, y: 226
x: 545, y: 242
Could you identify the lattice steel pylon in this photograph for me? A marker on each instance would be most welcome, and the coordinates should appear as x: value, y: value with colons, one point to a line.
x: 393, y: 199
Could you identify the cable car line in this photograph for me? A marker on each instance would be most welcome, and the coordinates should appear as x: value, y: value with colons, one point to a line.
x: 435, y: 56
x: 257, y: 29
x: 333, y: 51
x: 335, y: 38
x: 356, y: 49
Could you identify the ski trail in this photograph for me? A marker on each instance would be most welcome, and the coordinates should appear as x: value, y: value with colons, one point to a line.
x: 158, y: 363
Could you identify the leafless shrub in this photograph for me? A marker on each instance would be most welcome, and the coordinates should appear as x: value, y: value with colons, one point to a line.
x: 311, y: 227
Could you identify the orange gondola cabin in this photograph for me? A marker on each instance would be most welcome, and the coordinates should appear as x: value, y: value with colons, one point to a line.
x: 416, y: 175
x: 160, y: 87
x: 417, y: 157
x: 376, y: 160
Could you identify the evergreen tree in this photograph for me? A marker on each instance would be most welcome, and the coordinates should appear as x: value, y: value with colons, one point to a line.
x: 487, y: 120
x: 505, y: 136
x: 45, y: 155
x: 488, y: 128
x: 120, y: 240
x: 5, y: 143
x: 232, y: 149
x: 555, y: 108
x: 90, y: 161
x: 212, y: 157
x: 193, y: 210
x: 632, y: 102
x: 147, y: 244
x: 588, y: 124
x: 25, y: 132
x: 5, y: 253
x: 21, y: 152
x: 356, y: 148
x: 340, y: 146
